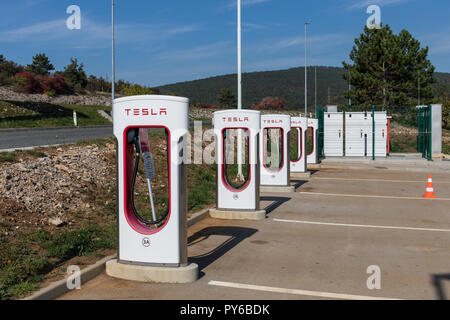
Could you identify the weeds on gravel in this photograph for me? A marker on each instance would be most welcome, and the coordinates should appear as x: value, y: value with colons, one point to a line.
x: 202, y: 189
x: 14, y: 155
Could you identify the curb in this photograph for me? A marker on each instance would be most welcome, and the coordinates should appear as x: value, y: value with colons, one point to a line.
x: 58, y: 288
x: 54, y: 128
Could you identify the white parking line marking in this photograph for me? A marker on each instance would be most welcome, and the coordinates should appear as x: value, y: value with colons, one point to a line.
x: 320, y: 294
x: 371, y: 196
x: 376, y: 180
x: 361, y: 225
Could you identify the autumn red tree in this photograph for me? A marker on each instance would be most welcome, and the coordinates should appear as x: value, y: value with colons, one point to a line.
x: 270, y: 103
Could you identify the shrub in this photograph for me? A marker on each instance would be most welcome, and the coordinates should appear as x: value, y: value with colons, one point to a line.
x: 270, y: 103
x: 27, y: 82
x: 31, y: 83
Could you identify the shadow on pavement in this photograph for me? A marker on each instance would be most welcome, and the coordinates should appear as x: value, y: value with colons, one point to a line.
x: 235, y: 234
x: 276, y: 202
x: 438, y: 282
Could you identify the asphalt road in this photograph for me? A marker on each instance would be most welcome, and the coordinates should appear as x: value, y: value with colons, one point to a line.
x: 26, y: 138
x: 318, y: 243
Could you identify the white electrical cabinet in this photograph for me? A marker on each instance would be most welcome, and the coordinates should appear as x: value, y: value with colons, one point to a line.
x: 358, y: 134
x: 333, y: 134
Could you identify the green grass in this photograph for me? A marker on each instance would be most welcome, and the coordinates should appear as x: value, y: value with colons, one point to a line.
x: 202, y: 189
x: 25, y: 261
x: 14, y: 114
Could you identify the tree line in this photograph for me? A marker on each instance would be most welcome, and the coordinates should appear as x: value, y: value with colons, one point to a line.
x: 40, y: 77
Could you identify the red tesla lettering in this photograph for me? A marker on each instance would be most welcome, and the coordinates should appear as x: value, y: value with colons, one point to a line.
x: 163, y: 111
x: 128, y: 111
x: 136, y: 112
x: 145, y: 112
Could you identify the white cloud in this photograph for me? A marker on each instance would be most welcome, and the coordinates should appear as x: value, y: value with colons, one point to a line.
x: 199, y: 53
x: 92, y: 34
x: 360, y: 4
x: 316, y: 43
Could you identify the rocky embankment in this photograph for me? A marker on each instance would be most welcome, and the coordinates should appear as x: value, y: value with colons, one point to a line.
x: 53, y: 189
x: 7, y: 93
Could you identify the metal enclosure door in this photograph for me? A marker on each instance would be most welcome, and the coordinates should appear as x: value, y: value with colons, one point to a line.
x: 358, y: 129
x: 380, y: 135
x: 333, y: 134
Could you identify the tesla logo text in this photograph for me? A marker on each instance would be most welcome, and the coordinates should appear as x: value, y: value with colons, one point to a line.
x: 296, y: 123
x: 235, y: 119
x: 146, y: 112
x: 273, y: 121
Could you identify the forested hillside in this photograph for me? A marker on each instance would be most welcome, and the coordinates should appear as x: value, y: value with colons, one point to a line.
x: 287, y: 84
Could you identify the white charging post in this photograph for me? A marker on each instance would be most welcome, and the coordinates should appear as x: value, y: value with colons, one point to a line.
x: 152, y: 250
x: 299, y: 165
x: 275, y: 164
x: 313, y: 157
x: 237, y: 199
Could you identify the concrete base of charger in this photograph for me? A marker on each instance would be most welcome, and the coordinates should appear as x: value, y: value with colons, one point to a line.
x: 301, y: 174
x: 139, y: 273
x: 275, y: 189
x: 238, y: 214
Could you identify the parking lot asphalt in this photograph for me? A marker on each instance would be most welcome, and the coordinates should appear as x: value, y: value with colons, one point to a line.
x: 318, y: 243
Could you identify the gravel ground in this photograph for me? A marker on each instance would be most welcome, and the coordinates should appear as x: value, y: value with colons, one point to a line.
x: 49, y: 190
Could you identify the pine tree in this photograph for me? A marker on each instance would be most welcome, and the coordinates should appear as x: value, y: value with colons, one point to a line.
x: 75, y: 75
x: 40, y: 65
x: 386, y: 69
x: 227, y: 99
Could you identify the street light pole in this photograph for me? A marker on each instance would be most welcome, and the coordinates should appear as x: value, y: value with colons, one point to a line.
x: 306, y: 75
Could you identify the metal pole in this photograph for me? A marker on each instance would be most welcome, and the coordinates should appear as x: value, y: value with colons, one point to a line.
x: 315, y: 86
x: 349, y: 89
x: 306, y: 75
x: 113, y: 62
x: 239, y: 89
x: 373, y: 132
x: 418, y: 87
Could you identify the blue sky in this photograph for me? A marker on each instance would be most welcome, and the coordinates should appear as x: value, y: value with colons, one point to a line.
x: 161, y: 42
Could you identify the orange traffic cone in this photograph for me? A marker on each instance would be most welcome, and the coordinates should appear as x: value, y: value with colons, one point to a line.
x: 429, y: 194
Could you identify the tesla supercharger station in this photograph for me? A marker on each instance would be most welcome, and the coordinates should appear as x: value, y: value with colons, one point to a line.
x: 333, y: 135
x: 274, y: 140
x: 313, y: 157
x: 152, y: 240
x: 298, y: 165
x: 237, y: 197
x: 358, y: 134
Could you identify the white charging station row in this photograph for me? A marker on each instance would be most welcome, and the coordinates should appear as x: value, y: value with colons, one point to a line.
x: 154, y: 249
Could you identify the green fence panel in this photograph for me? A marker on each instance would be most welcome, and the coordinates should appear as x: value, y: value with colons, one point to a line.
x: 424, y: 132
x: 320, y: 116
